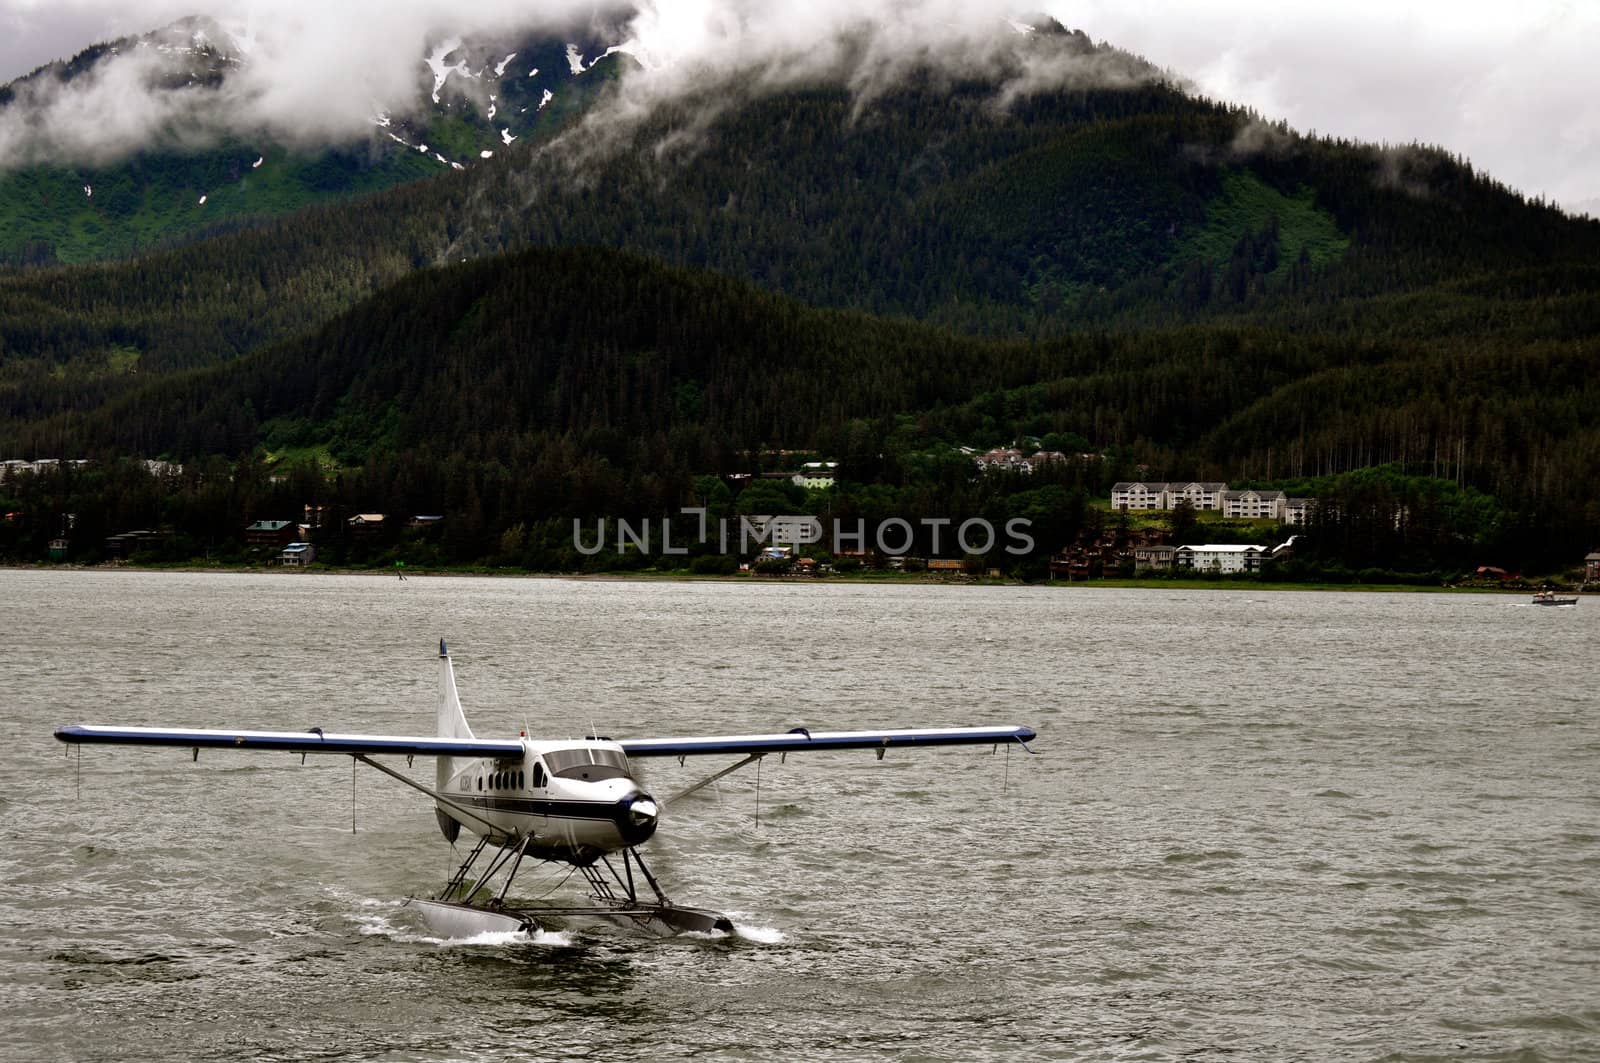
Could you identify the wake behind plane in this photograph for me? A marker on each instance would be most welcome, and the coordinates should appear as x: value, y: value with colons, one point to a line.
x: 573, y: 802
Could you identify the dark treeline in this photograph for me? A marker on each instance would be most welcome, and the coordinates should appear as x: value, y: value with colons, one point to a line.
x: 526, y: 392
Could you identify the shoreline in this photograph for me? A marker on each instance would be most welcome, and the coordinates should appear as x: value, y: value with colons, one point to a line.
x: 870, y: 579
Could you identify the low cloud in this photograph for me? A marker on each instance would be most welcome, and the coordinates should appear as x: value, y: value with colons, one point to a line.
x: 1510, y: 88
x: 298, y: 72
x: 303, y: 72
x: 710, y: 58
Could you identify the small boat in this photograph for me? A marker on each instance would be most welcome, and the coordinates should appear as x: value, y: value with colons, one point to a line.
x: 1549, y: 598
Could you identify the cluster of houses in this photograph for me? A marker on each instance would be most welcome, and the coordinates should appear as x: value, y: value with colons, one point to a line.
x: 1214, y: 497
x: 1011, y: 459
x: 1145, y: 550
x: 820, y: 475
x: 1014, y: 459
x: 812, y: 475
x: 13, y: 467
x: 295, y: 541
x: 16, y: 466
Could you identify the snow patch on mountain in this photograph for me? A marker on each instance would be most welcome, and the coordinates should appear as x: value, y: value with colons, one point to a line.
x: 441, y: 71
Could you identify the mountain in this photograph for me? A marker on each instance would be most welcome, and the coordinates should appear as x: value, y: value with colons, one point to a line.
x: 1054, y: 240
x: 199, y: 165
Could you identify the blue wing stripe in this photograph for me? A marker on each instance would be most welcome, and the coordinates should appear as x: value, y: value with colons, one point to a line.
x: 291, y: 741
x: 800, y: 741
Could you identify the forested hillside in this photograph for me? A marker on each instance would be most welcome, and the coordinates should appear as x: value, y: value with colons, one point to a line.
x: 566, y: 383
x: 1173, y: 284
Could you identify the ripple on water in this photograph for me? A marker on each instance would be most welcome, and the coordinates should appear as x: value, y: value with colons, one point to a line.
x: 86, y: 966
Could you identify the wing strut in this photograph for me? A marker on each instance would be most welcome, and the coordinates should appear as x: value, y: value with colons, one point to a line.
x: 415, y: 785
x: 709, y: 779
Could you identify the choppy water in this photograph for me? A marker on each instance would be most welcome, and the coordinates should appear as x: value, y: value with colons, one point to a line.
x: 1262, y: 826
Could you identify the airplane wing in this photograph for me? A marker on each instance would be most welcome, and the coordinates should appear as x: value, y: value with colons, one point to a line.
x: 316, y: 741
x: 313, y: 741
x: 801, y: 740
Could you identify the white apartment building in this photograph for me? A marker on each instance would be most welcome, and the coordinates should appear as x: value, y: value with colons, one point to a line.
x: 1139, y: 496
x: 1144, y: 495
x: 1220, y: 558
x: 816, y: 475
x: 1254, y: 504
x: 1297, y: 510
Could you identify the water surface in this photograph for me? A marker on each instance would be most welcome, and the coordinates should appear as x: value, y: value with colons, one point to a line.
x: 1261, y: 825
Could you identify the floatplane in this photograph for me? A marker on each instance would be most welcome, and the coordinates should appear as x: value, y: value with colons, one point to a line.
x: 571, y: 802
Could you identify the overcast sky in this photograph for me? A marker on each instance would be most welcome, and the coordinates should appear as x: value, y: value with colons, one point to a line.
x: 1514, y: 87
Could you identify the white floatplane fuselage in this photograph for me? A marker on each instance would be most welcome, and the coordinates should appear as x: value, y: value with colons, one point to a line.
x: 571, y: 800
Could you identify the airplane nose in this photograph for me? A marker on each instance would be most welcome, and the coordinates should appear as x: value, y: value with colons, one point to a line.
x: 637, y: 817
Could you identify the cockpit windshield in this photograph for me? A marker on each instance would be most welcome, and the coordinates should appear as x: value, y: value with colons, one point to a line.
x: 587, y: 762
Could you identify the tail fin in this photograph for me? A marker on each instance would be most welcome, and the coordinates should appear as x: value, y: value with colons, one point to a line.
x: 452, y: 721
x: 452, y: 724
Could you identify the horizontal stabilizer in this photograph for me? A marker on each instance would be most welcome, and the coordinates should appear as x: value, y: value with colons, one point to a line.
x: 800, y: 741
x: 313, y: 741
